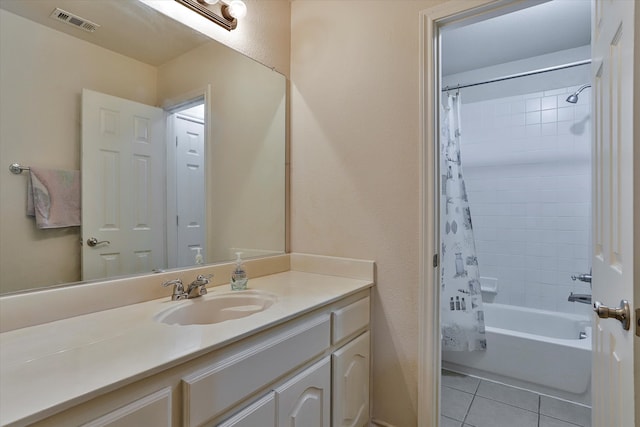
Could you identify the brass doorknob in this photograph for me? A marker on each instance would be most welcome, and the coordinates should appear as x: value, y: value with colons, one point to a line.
x: 622, y: 313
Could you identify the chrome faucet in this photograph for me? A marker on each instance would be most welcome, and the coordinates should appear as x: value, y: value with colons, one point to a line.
x: 581, y: 298
x: 198, y: 287
x: 178, y: 289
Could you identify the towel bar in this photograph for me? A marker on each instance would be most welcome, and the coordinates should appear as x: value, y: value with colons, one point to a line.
x: 17, y: 169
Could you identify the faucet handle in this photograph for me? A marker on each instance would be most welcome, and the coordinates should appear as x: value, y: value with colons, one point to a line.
x: 177, y: 282
x: 582, y: 277
x: 178, y: 289
x: 202, y: 279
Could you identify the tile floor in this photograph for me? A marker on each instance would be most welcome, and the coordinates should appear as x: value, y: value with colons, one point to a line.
x: 473, y: 402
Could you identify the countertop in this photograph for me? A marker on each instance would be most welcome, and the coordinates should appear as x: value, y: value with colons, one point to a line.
x: 53, y: 366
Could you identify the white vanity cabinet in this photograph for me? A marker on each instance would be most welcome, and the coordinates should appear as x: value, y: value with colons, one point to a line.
x: 350, y: 397
x: 310, y: 371
x: 262, y: 412
x: 304, y: 401
x: 336, y: 384
x: 154, y: 409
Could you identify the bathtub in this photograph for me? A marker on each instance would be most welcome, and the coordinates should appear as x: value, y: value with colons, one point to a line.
x: 543, y: 351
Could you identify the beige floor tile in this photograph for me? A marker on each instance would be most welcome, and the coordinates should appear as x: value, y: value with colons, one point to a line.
x: 455, y: 403
x: 509, y: 395
x: 489, y: 413
x: 460, y: 381
x: 565, y: 411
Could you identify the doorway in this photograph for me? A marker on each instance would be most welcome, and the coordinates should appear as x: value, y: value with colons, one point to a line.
x: 523, y: 159
x: 187, y: 184
x: 504, y: 102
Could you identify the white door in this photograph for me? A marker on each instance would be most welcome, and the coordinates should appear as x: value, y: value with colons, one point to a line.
x: 122, y: 186
x: 190, y: 191
x: 613, y: 214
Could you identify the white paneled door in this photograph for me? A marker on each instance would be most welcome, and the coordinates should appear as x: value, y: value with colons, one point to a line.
x: 123, y: 207
x: 615, y: 169
x: 190, y: 183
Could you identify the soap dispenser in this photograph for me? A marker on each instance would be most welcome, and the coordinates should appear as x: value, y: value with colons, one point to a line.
x: 239, y: 276
x: 199, y: 259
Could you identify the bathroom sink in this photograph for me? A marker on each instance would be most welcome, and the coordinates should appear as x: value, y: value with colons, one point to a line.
x: 217, y: 307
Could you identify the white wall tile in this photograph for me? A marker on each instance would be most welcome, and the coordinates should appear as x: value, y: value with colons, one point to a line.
x: 530, y: 207
x: 549, y: 102
x: 549, y: 116
x: 532, y: 104
x: 532, y: 118
x: 565, y: 114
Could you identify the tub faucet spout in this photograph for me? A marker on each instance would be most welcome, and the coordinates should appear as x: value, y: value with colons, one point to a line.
x: 581, y: 298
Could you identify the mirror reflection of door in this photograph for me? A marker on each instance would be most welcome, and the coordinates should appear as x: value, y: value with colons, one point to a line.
x: 188, y: 128
x: 123, y: 157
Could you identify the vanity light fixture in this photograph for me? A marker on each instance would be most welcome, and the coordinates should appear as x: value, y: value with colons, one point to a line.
x: 231, y: 11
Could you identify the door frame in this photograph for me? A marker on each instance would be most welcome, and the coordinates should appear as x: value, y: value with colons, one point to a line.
x: 429, y: 348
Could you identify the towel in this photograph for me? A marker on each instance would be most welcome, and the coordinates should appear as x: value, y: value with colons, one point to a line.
x: 53, y: 197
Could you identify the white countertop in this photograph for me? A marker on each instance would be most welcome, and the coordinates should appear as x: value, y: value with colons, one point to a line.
x: 57, y: 365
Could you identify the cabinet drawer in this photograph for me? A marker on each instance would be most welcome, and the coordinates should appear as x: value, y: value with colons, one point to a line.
x: 260, y: 413
x: 233, y: 376
x: 154, y: 409
x: 350, y: 319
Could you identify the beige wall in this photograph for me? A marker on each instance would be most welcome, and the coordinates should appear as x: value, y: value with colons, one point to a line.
x: 354, y: 166
x: 245, y: 146
x: 264, y: 34
x: 41, y: 79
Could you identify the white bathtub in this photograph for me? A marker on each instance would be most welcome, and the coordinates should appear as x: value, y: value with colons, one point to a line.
x: 534, y: 349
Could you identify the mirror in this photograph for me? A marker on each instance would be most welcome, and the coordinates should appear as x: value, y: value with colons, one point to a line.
x: 139, y: 55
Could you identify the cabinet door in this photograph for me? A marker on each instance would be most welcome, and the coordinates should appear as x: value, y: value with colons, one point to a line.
x: 259, y: 414
x: 152, y: 410
x: 304, y: 401
x: 351, y: 383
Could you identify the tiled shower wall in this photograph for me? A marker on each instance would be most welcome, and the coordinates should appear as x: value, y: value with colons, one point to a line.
x: 526, y: 161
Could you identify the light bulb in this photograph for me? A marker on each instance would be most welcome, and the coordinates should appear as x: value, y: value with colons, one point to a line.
x: 237, y: 9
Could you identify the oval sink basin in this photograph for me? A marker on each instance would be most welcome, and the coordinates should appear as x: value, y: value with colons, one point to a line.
x: 217, y: 307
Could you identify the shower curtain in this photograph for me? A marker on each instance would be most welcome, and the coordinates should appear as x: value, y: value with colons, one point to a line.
x: 462, y: 316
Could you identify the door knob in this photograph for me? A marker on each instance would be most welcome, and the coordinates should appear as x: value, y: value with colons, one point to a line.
x: 92, y: 241
x: 622, y: 313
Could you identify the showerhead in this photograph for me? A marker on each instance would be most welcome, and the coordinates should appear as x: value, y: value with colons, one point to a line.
x: 573, y: 98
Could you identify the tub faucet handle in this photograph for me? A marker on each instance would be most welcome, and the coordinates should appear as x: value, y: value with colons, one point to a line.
x: 586, y: 277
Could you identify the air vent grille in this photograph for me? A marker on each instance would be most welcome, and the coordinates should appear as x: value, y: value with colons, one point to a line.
x: 75, y: 20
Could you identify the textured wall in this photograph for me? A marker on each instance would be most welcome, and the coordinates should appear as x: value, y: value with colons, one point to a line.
x: 355, y: 167
x: 40, y: 126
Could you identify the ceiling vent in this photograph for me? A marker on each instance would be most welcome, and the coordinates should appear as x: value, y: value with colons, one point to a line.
x: 75, y: 20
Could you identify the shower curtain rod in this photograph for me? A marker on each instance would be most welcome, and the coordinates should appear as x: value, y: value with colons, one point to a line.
x: 526, y: 73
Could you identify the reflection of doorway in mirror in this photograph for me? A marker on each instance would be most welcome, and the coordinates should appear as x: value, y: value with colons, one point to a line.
x: 188, y: 127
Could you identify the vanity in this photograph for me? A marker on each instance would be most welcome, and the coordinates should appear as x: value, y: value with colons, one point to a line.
x: 303, y: 360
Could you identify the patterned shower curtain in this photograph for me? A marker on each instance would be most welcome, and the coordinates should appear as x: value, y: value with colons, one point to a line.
x: 462, y: 315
